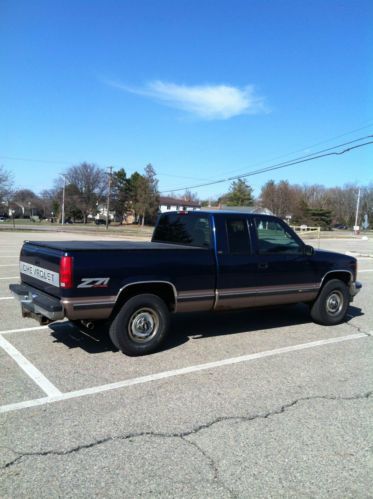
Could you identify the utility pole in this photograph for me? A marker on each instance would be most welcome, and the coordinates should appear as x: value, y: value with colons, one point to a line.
x: 63, y: 199
x: 356, y: 227
x: 108, y: 197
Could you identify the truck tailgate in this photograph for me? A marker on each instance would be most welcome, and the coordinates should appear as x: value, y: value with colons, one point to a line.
x: 39, y: 266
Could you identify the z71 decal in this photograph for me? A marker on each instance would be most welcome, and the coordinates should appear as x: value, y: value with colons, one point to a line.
x: 94, y: 282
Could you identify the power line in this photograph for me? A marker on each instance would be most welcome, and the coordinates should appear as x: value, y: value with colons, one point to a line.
x: 33, y: 160
x: 310, y: 155
x: 66, y: 163
x: 325, y: 141
x: 302, y: 159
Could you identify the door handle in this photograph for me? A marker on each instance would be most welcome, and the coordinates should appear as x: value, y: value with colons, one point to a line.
x: 262, y: 266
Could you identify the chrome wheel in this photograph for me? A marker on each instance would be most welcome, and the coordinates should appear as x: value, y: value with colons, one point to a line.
x: 334, y: 303
x: 143, y: 325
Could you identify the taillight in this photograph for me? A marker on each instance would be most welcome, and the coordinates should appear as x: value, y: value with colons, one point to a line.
x: 66, y: 272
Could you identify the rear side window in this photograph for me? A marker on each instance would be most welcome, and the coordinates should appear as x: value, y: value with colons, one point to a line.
x: 183, y: 229
x: 238, y: 235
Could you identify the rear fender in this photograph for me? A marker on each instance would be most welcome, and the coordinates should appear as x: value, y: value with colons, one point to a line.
x: 164, y: 289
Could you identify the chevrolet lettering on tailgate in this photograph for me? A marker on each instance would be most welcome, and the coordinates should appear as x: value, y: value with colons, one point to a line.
x: 39, y: 273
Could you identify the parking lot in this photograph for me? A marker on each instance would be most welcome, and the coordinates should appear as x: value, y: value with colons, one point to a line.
x: 258, y: 403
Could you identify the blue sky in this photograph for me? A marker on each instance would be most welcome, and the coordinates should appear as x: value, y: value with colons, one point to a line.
x: 201, y: 89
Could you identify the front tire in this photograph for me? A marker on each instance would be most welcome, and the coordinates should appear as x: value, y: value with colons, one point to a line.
x: 331, y: 305
x: 141, y: 325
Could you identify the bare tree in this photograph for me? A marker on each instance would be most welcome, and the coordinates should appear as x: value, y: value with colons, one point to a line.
x: 367, y: 204
x: 50, y: 202
x: 282, y: 199
x: 191, y: 196
x: 315, y: 195
x: 6, y: 184
x: 151, y: 181
x: 88, y: 185
x: 28, y: 202
x: 268, y: 196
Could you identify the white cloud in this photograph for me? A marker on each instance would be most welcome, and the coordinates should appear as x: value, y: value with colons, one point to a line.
x: 208, y: 102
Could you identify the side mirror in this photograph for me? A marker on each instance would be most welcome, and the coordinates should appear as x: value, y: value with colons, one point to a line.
x: 309, y: 250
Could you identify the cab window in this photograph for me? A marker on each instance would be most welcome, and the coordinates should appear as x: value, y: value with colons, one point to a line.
x: 275, y: 238
x: 238, y: 235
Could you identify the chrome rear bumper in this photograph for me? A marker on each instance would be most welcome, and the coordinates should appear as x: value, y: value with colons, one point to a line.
x: 37, y: 304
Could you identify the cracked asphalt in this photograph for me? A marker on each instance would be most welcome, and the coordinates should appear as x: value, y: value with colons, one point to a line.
x: 299, y: 424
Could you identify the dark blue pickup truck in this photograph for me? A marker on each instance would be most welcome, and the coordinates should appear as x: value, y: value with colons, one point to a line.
x: 196, y: 261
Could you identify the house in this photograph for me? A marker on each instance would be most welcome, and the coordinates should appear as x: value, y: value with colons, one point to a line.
x: 167, y: 203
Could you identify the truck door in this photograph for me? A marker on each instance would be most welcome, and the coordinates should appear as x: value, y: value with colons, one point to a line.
x: 237, y: 264
x: 285, y: 274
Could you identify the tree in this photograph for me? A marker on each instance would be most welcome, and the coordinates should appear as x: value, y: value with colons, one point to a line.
x: 315, y: 196
x: 191, y: 196
x: 143, y: 193
x: 315, y: 204
x: 367, y: 205
x: 6, y: 183
x: 320, y: 217
x: 210, y: 202
x: 28, y: 201
x: 138, y: 193
x: 282, y: 199
x: 268, y: 196
x: 87, y: 185
x: 49, y: 202
x: 120, y: 193
x: 240, y: 194
x: 152, y: 204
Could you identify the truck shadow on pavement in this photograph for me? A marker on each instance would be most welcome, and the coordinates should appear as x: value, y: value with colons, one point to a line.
x: 197, y: 326
x: 205, y: 325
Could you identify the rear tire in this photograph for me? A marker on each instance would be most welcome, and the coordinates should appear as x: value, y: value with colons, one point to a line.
x: 331, y: 305
x: 141, y: 325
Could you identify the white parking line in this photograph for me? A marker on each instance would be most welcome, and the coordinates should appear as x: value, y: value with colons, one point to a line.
x: 6, y: 298
x: 9, y: 256
x: 11, y: 277
x: 23, y: 329
x: 29, y: 369
x: 176, y: 372
x: 364, y: 270
x: 10, y: 265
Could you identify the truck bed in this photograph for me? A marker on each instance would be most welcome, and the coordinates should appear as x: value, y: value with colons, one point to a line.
x: 108, y: 245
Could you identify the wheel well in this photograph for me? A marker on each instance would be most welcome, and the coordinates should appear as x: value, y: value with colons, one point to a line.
x: 342, y: 275
x: 163, y: 290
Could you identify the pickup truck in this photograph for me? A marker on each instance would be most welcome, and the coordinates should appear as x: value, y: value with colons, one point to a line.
x: 196, y: 261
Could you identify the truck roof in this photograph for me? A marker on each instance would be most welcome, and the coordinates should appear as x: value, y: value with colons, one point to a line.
x: 220, y: 212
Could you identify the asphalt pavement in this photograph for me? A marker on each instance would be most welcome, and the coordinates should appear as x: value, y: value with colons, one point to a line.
x: 258, y: 403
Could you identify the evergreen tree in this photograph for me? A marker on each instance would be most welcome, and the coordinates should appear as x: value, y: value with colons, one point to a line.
x: 240, y: 194
x: 320, y: 217
x: 120, y: 193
